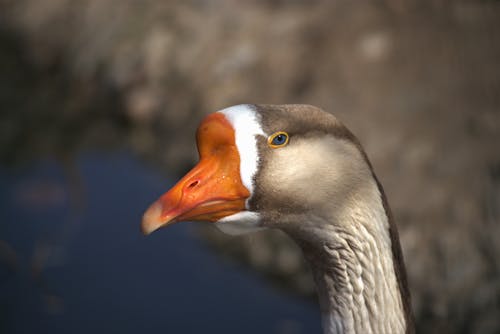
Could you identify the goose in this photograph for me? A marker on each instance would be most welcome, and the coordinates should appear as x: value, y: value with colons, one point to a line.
x: 299, y: 169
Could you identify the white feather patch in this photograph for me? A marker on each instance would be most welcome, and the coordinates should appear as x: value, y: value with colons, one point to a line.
x: 240, y: 223
x: 244, y: 120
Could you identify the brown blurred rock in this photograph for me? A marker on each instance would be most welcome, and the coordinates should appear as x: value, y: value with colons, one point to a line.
x: 417, y: 81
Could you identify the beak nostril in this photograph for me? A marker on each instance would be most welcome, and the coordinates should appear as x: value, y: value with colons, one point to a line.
x: 194, y: 184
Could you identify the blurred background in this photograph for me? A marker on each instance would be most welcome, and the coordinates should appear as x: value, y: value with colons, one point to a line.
x: 99, y: 102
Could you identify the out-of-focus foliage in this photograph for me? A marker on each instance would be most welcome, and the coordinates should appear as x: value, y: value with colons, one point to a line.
x: 417, y: 81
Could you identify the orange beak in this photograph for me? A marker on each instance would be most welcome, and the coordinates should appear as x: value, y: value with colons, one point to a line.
x: 212, y: 190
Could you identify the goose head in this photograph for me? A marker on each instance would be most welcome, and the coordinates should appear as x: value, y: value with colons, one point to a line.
x: 267, y: 166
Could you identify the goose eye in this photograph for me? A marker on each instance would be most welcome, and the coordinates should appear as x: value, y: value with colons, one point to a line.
x: 278, y: 139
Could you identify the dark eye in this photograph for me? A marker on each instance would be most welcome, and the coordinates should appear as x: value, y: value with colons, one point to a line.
x: 278, y: 139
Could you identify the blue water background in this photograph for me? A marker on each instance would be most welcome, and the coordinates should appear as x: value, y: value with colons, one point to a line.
x: 105, y: 277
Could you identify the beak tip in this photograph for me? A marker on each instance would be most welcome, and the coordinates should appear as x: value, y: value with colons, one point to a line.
x: 151, y: 220
x: 144, y: 230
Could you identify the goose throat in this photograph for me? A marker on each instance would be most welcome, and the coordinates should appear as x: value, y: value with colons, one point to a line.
x: 353, y: 266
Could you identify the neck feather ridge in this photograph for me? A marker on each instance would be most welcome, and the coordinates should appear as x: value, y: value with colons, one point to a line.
x: 351, y: 256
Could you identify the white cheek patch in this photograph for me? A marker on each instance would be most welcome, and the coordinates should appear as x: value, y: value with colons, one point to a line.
x: 245, y: 122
